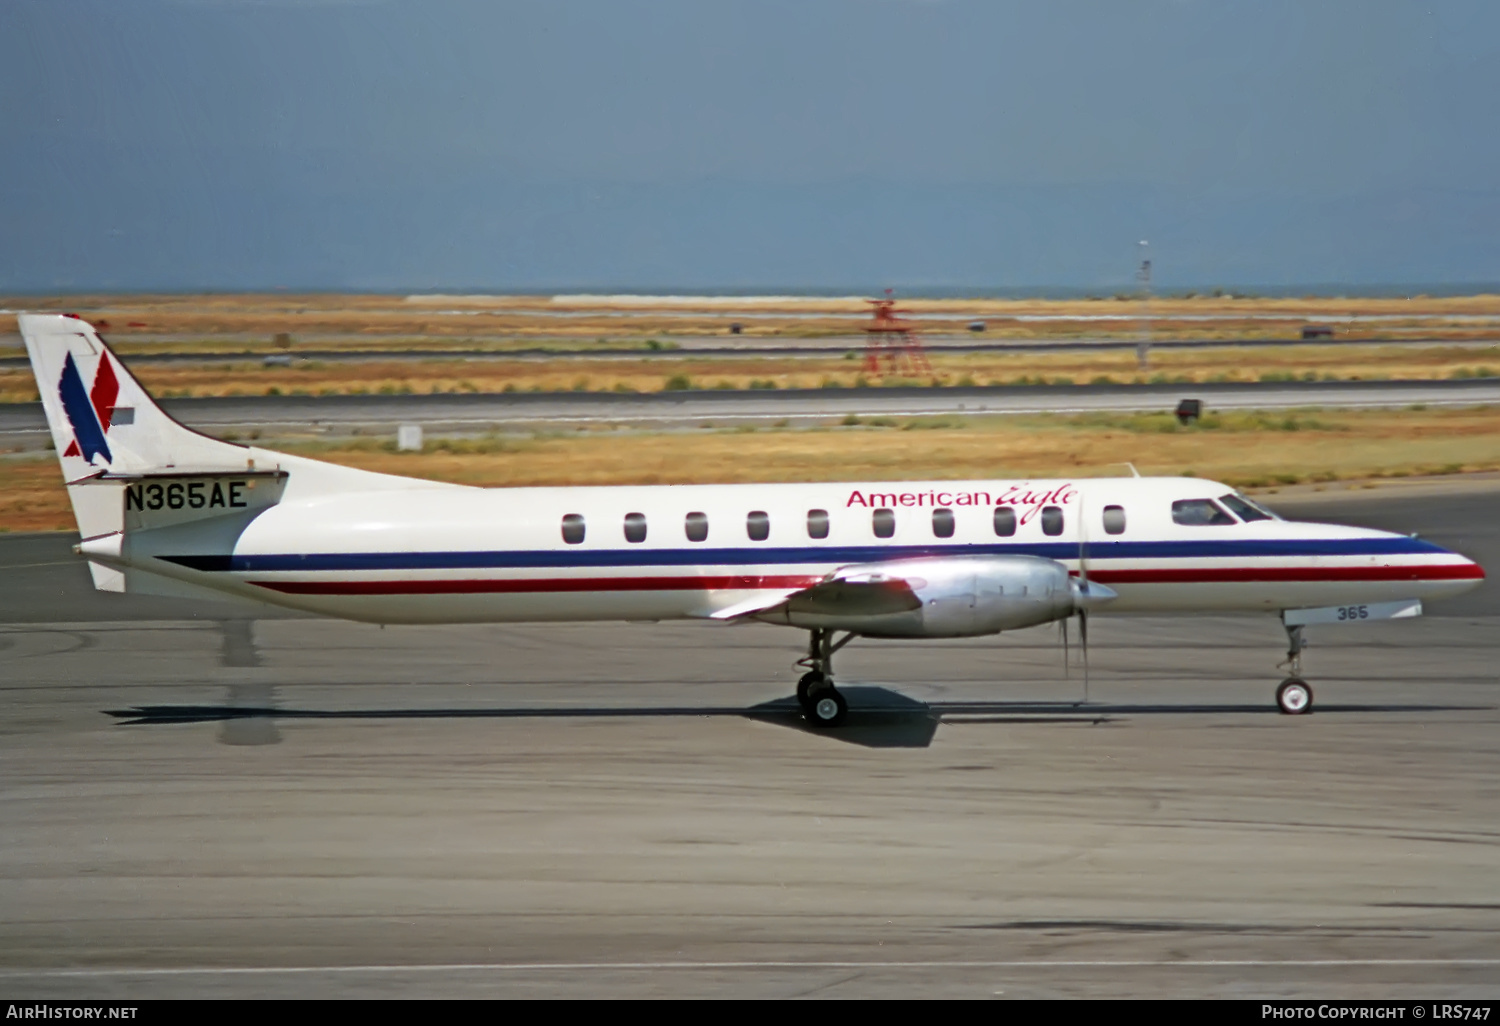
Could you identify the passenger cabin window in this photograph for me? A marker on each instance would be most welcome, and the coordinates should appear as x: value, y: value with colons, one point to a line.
x: 1244, y: 508
x: 1052, y: 520
x: 758, y: 525
x: 1200, y: 513
x: 635, y: 527
x: 1005, y: 522
x: 817, y: 523
x: 696, y: 527
x: 573, y: 528
x: 884, y: 522
x: 942, y: 523
x: 1114, y: 519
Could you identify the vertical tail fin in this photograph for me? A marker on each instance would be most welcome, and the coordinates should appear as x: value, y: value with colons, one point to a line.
x: 109, y: 431
x: 103, y: 422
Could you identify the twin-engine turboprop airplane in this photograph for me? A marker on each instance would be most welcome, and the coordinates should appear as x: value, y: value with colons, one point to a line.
x: 165, y: 510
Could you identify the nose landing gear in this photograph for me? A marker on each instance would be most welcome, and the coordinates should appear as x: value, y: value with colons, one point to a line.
x: 1294, y: 697
x: 820, y: 700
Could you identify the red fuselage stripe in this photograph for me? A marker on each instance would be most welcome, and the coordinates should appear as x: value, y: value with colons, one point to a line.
x: 532, y: 585
x: 1233, y: 575
x: 1222, y: 575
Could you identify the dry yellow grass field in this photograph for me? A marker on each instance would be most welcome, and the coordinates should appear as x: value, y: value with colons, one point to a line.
x: 313, y: 377
x: 1248, y: 450
x: 466, y: 317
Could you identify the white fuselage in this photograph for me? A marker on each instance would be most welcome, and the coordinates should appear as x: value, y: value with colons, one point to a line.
x: 160, y: 507
x: 432, y: 554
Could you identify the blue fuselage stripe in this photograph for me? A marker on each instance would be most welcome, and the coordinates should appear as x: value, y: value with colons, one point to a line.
x: 812, y: 554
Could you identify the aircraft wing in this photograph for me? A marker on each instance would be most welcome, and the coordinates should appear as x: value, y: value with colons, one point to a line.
x: 864, y: 595
x: 757, y: 604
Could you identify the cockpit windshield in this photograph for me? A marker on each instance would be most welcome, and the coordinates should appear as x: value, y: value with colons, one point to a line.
x: 1245, y: 509
x: 1200, y: 513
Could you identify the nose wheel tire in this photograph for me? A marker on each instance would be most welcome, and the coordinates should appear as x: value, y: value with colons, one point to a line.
x: 825, y: 707
x: 1294, y: 697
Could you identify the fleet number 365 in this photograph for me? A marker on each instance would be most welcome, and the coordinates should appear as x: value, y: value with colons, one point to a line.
x: 1354, y: 612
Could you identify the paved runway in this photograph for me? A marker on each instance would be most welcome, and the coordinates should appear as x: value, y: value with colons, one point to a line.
x: 465, y: 412
x: 687, y: 346
x: 208, y: 805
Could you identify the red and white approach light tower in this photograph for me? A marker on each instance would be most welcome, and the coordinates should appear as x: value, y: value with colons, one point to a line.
x: 892, y: 341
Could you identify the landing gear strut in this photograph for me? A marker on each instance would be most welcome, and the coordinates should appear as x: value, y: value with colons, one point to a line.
x: 1294, y: 697
x: 820, y: 700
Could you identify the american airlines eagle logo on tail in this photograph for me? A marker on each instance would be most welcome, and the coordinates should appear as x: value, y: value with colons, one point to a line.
x: 89, y: 411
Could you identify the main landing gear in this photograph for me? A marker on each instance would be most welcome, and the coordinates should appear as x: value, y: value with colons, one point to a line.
x: 1294, y: 697
x: 820, y: 700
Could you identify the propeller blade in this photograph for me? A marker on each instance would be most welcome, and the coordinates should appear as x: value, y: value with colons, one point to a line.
x: 1083, y: 640
x: 1083, y: 544
x: 1066, y: 661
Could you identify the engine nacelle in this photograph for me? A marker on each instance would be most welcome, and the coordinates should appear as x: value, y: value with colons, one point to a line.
x: 940, y: 597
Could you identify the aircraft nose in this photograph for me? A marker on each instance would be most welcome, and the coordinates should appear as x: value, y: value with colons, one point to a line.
x: 1476, y: 572
x: 1447, y: 565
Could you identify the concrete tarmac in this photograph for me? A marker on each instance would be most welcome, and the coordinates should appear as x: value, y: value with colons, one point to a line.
x: 199, y: 804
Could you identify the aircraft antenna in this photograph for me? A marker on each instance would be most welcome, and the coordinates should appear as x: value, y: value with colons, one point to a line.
x: 1143, y: 347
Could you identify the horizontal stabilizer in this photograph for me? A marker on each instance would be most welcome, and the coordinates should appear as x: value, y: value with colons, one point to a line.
x: 180, y: 473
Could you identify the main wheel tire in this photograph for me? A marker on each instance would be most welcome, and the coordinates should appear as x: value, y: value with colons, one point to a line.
x: 826, y: 708
x: 1294, y: 697
x: 810, y: 682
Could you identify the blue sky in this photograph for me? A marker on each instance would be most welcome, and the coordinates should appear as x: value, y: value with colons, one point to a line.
x: 846, y: 144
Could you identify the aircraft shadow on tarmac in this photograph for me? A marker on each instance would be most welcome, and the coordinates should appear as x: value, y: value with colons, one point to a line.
x: 878, y: 717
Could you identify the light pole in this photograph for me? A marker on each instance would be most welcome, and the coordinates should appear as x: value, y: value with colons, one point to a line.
x: 1143, y: 347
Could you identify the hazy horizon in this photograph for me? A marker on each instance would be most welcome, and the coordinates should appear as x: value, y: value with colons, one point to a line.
x: 1324, y: 290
